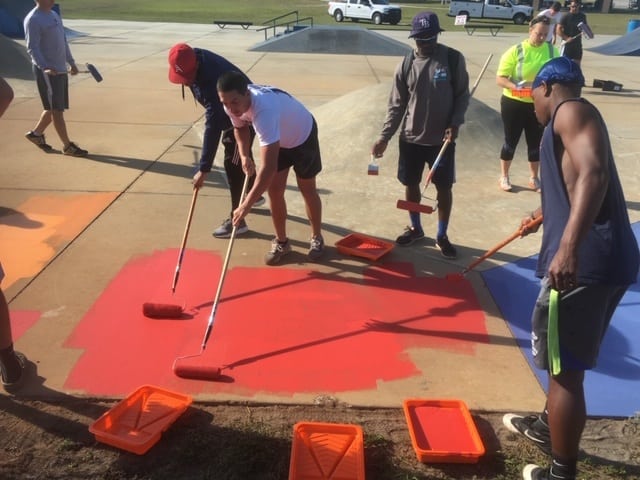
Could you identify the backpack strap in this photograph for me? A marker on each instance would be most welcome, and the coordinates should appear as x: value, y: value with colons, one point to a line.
x: 453, y: 59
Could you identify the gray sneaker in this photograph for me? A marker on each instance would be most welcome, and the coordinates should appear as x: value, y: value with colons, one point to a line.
x: 38, y: 140
x: 224, y: 230
x: 278, y: 250
x: 316, y: 248
x: 259, y: 203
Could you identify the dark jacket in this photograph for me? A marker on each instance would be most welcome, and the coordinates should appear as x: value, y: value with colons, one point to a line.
x: 210, y: 67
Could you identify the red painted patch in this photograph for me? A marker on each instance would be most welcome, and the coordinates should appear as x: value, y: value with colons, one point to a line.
x: 277, y: 330
x: 21, y: 321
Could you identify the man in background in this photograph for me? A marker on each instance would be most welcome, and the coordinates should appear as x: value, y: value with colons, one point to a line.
x: 49, y: 51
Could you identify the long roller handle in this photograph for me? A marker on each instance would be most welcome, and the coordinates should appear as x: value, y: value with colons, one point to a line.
x: 518, y: 233
x: 484, y: 67
x: 436, y: 162
x: 446, y: 143
x: 223, y: 274
x: 184, y: 241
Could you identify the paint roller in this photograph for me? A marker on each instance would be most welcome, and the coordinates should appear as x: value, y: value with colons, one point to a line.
x: 418, y: 207
x: 168, y: 310
x: 186, y: 369
x: 584, y: 30
x: 93, y: 71
x: 517, y: 234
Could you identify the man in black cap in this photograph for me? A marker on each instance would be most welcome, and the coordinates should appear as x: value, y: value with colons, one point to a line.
x: 428, y: 101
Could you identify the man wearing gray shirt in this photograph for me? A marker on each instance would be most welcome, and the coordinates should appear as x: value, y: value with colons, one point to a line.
x: 428, y: 102
x: 49, y: 51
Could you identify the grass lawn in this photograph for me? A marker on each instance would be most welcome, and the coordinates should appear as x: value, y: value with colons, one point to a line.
x: 260, y: 11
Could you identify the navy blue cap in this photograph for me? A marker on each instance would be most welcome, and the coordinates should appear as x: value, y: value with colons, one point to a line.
x: 425, y: 24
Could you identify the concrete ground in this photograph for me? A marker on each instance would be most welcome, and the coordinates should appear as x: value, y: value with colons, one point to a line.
x: 69, y: 225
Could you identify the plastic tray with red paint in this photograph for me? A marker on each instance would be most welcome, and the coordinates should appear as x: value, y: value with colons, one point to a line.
x: 136, y: 423
x: 327, y: 451
x: 442, y: 431
x: 361, y: 245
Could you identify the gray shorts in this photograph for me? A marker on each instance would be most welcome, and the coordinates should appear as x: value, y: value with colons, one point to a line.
x: 53, y: 90
x: 584, y: 314
x: 305, y: 159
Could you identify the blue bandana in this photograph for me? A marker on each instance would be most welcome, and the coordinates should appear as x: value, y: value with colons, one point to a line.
x: 559, y: 70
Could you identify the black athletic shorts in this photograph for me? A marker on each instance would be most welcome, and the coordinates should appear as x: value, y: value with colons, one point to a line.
x: 414, y: 157
x: 305, y: 159
x: 53, y: 90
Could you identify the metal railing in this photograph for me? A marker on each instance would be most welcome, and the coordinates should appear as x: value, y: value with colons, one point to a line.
x: 273, y: 23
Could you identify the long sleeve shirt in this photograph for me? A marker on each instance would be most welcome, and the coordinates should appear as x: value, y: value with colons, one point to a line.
x: 210, y: 67
x: 46, y: 41
x: 431, y: 99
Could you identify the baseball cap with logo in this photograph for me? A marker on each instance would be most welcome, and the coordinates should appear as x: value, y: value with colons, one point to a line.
x: 425, y: 24
x: 182, y: 64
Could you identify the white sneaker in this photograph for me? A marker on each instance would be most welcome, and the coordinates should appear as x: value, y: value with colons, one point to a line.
x: 534, y: 184
x: 505, y: 184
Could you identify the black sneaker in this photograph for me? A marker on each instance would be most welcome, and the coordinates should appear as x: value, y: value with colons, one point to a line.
x: 38, y: 140
x: 409, y: 236
x: 533, y: 429
x: 445, y: 247
x: 15, y: 385
x: 534, y: 472
x: 74, y: 150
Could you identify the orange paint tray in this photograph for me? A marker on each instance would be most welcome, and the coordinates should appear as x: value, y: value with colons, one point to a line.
x: 327, y: 451
x: 442, y: 431
x: 136, y: 423
x: 361, y: 245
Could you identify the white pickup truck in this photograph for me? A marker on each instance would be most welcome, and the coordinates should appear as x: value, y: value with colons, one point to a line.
x: 378, y: 11
x: 499, y: 9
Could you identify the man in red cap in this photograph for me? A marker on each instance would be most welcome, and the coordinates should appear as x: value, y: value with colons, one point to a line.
x: 427, y: 103
x: 199, y: 70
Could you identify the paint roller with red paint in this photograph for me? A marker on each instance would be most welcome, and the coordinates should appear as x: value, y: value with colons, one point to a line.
x: 170, y: 310
x: 195, y: 371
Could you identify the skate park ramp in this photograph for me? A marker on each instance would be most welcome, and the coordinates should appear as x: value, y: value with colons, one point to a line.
x: 14, y: 60
x: 12, y: 13
x: 344, y: 40
x: 628, y: 44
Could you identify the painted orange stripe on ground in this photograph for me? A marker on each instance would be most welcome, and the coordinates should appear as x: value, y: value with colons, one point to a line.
x: 277, y: 330
x: 31, y: 234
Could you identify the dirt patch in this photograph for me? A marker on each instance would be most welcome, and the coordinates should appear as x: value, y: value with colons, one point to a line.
x: 50, y: 440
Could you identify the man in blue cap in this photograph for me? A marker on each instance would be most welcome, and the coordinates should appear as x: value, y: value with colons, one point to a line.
x: 428, y: 100
x: 588, y: 259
